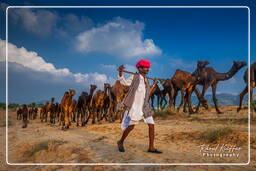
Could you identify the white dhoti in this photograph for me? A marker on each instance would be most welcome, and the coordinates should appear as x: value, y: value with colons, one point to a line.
x: 127, y: 121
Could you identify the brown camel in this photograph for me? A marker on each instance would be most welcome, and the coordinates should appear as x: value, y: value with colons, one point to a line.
x: 117, y: 94
x: 48, y: 108
x: 252, y: 84
x: 82, y: 108
x: 186, y: 83
x: 66, y: 108
x: 74, y: 110
x: 209, y: 77
x: 96, y: 105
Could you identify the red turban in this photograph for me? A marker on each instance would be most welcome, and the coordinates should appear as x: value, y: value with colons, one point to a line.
x: 143, y: 63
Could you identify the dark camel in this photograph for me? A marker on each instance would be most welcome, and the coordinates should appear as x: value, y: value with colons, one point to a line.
x: 24, y: 116
x: 160, y: 94
x: 106, y: 103
x: 209, y: 77
x: 88, y: 102
x: 252, y: 84
x: 82, y: 108
x: 19, y: 113
x: 66, y: 108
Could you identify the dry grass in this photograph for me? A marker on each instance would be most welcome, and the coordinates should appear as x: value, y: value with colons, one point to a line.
x: 43, y: 145
x: 163, y: 113
x: 211, y: 135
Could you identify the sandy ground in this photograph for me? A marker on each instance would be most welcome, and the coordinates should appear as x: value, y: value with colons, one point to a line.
x: 177, y: 135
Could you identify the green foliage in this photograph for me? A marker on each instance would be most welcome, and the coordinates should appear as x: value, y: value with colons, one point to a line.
x: 13, y: 105
x: 2, y: 106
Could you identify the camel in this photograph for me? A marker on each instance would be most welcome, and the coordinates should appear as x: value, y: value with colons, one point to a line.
x: 66, y: 108
x: 252, y: 85
x: 74, y: 110
x: 209, y: 77
x: 82, y: 108
x: 25, y: 116
x: 185, y: 82
x: 106, y: 103
x: 160, y: 97
x: 57, y: 111
x: 88, y: 102
x: 117, y: 94
x: 48, y: 108
x: 96, y: 105
x: 19, y: 113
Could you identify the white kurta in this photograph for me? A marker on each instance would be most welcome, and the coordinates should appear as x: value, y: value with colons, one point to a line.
x: 136, y: 112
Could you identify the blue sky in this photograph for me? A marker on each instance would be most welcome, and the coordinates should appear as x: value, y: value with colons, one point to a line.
x: 56, y: 49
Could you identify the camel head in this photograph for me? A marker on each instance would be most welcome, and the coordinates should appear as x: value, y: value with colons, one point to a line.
x: 72, y: 92
x: 93, y: 87
x: 52, y: 99
x: 238, y: 65
x: 202, y: 64
x: 106, y: 85
x: 84, y: 94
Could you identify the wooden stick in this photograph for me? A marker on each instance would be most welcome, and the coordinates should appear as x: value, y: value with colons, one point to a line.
x: 129, y: 72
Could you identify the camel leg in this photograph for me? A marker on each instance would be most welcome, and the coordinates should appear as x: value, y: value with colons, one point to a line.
x: 201, y: 98
x: 214, y: 86
x: 152, y: 102
x: 245, y: 90
x: 174, y: 97
x: 182, y: 100
x: 163, y: 100
x: 202, y: 95
x: 77, y: 116
x: 185, y: 103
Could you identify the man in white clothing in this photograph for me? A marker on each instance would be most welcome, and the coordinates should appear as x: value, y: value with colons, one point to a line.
x: 136, y: 103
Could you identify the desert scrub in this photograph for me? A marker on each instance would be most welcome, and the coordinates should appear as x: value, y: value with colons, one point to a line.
x: 3, y: 124
x: 163, y: 113
x: 211, y: 135
x: 44, y: 145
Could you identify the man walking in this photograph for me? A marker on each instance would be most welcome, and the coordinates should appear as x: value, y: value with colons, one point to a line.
x: 136, y: 103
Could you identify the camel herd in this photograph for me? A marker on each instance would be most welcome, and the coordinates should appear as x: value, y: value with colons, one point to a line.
x: 103, y: 104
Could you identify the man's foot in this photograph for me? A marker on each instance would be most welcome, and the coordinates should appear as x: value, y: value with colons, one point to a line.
x: 155, y: 151
x: 120, y: 146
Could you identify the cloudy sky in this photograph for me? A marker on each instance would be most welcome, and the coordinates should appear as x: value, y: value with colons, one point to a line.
x: 53, y: 49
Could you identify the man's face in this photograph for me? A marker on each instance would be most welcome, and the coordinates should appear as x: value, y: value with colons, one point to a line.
x: 144, y: 70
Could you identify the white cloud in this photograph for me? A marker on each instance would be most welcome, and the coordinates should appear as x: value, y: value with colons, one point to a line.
x: 119, y: 37
x: 33, y: 61
x: 41, y: 22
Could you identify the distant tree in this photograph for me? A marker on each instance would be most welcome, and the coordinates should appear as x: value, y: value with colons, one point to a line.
x: 2, y: 105
x: 32, y: 104
x: 13, y: 105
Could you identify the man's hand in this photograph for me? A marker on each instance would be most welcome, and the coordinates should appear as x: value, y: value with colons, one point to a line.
x: 120, y: 69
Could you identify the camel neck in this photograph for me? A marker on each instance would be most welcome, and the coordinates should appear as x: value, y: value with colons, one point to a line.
x: 227, y: 75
